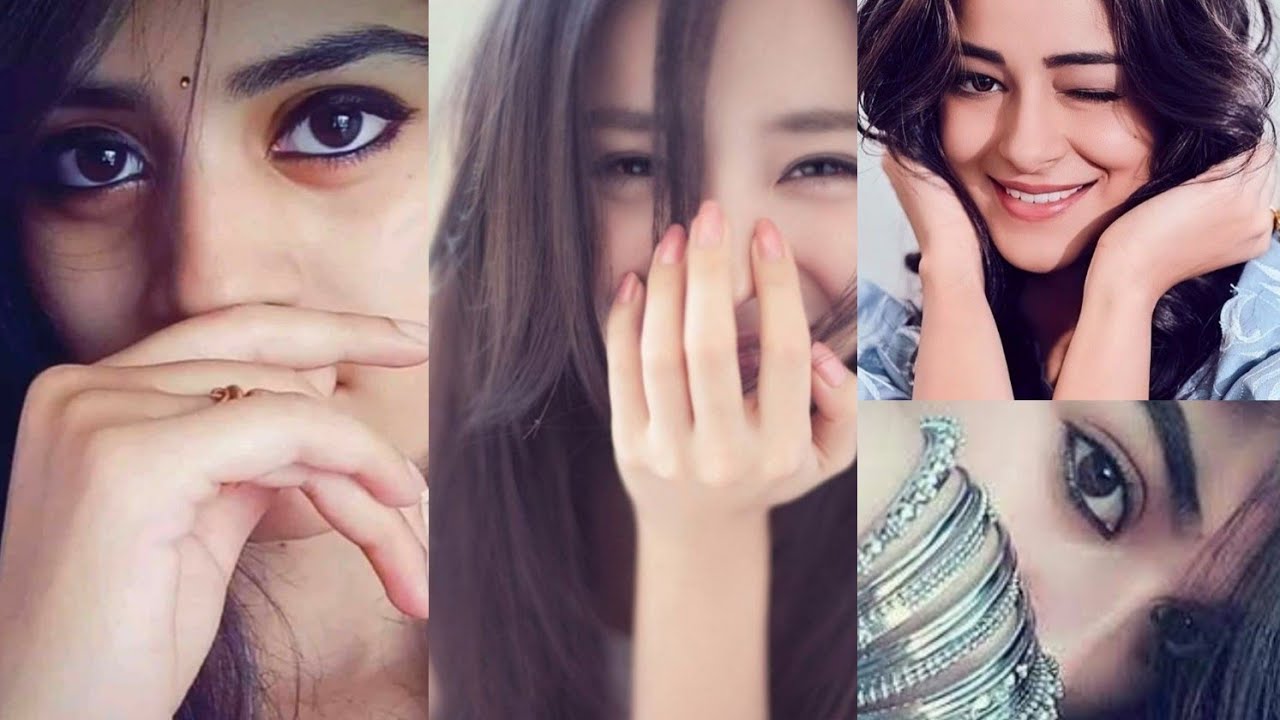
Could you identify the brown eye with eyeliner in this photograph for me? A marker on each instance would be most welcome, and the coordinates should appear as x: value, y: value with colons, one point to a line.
x: 1096, y: 484
x: 340, y: 123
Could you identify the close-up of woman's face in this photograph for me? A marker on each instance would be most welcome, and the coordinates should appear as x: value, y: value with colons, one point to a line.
x: 1111, y: 507
x: 1040, y: 129
x: 289, y: 168
x: 780, y: 136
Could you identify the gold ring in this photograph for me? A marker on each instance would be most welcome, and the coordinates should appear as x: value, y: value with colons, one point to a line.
x: 229, y: 392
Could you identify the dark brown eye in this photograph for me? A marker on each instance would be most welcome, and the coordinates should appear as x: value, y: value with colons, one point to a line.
x: 340, y: 121
x: 89, y: 158
x: 1096, y: 484
x: 977, y: 83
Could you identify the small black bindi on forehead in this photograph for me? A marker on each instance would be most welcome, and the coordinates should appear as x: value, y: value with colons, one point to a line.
x: 185, y: 82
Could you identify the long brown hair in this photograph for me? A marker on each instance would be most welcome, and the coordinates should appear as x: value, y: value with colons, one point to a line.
x: 519, y: 403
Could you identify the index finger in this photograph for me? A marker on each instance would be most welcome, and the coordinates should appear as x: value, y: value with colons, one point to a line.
x: 294, y: 337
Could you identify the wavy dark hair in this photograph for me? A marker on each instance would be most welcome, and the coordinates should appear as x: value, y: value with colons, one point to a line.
x: 519, y: 411
x: 46, y: 47
x: 1198, y: 68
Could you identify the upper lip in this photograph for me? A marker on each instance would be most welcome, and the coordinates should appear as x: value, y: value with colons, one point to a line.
x: 1037, y: 189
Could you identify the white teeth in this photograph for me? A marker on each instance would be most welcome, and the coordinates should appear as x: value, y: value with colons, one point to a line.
x: 1042, y: 198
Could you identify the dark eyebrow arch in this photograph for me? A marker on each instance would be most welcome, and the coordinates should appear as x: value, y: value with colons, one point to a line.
x: 816, y: 121
x: 1171, y: 427
x: 1051, y: 62
x: 1081, y: 58
x: 616, y: 118
x: 105, y: 97
x: 327, y: 52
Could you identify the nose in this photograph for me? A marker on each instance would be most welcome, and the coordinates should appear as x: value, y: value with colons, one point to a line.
x: 1032, y: 137
x: 230, y: 246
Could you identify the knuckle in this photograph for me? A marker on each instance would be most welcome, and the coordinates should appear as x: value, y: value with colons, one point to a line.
x: 55, y: 380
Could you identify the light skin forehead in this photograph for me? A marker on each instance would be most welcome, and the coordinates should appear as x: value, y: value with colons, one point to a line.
x: 161, y: 40
x: 1033, y: 29
x: 773, y: 57
x: 770, y: 56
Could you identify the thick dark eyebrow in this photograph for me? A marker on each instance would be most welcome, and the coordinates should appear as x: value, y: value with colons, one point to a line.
x: 617, y: 118
x: 1171, y: 427
x: 816, y: 121
x: 1081, y: 58
x: 1051, y: 62
x: 327, y: 52
x: 126, y: 97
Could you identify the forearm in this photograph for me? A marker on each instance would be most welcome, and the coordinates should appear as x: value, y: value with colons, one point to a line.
x: 960, y: 355
x: 701, y: 625
x: 1109, y: 357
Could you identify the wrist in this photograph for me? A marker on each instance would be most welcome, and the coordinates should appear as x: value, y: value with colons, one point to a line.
x: 948, y: 273
x: 1109, y: 287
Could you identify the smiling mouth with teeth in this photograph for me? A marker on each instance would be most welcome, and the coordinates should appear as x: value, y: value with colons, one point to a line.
x: 1042, y: 198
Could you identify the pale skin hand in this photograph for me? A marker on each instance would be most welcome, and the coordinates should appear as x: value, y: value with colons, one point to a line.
x: 703, y: 465
x: 1217, y: 220
x: 960, y: 356
x: 133, y: 494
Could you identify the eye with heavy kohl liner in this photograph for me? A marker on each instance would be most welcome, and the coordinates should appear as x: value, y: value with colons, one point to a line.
x: 1100, y: 481
x: 87, y: 159
x: 340, y: 123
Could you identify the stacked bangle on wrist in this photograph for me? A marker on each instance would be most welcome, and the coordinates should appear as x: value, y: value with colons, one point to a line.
x: 945, y: 629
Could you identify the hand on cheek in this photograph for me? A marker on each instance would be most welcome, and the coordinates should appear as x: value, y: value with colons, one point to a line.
x: 691, y: 450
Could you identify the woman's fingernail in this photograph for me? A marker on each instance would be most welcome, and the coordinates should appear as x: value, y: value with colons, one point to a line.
x: 627, y: 290
x: 769, y: 242
x: 830, y: 369
x: 671, y: 249
x: 418, y: 332
x: 710, y: 225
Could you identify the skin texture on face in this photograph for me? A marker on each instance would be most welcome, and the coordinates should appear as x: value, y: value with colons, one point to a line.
x: 208, y: 202
x: 1025, y: 114
x: 1092, y: 594
x: 781, y: 142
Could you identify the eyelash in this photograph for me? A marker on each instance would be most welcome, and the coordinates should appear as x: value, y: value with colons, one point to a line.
x: 362, y: 100
x: 841, y: 168
x: 1077, y: 441
x: 969, y: 78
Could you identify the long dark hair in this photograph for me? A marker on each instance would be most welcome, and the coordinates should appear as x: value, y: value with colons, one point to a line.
x: 1197, y: 68
x: 45, y: 46
x: 519, y: 411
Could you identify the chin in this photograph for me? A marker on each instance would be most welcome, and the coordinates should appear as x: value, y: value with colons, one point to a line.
x: 1038, y: 253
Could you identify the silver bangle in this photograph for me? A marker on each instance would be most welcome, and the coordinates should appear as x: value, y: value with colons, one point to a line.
x: 908, y: 638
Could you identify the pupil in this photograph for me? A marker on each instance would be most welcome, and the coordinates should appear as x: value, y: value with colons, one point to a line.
x: 336, y: 128
x: 1096, y: 476
x: 101, y: 162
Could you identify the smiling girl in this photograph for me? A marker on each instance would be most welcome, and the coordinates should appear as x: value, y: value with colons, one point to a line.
x: 1089, y: 184
x: 644, y: 416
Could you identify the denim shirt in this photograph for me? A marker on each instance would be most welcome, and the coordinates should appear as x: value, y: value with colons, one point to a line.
x: 1246, y: 367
